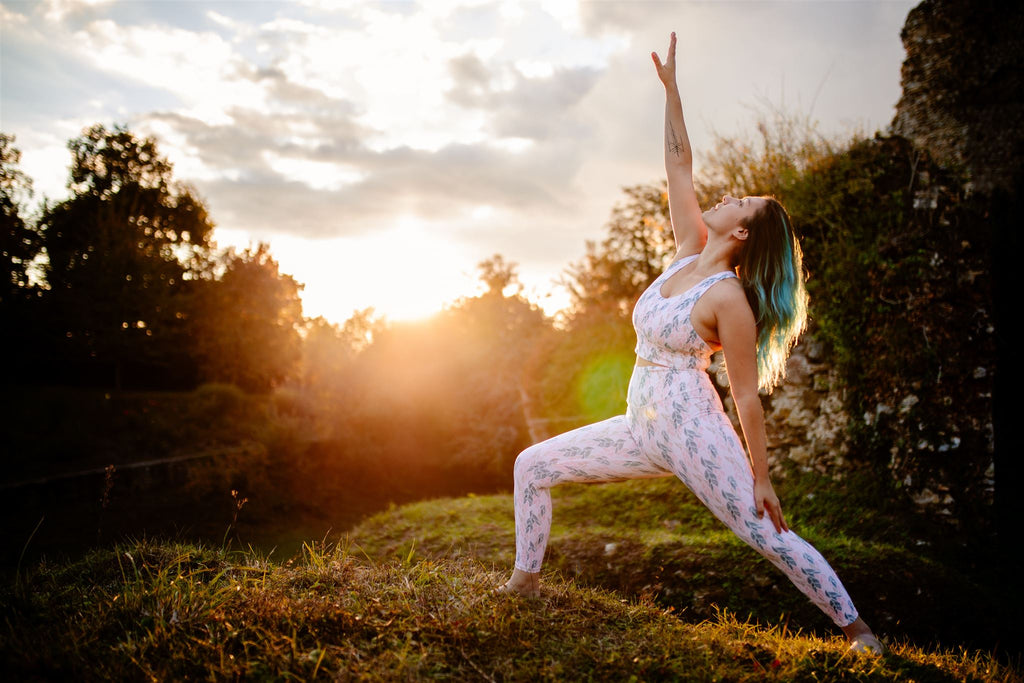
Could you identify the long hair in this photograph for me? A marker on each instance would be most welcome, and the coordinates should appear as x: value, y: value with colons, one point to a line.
x: 770, y: 266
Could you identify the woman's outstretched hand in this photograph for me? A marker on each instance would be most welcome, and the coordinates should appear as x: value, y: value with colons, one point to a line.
x: 667, y: 71
x: 765, y: 500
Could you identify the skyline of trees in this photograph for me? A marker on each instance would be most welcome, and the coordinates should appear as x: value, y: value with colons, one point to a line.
x: 129, y: 289
x: 896, y: 250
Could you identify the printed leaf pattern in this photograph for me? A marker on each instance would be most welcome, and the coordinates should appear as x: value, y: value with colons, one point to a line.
x: 664, y: 333
x: 674, y: 425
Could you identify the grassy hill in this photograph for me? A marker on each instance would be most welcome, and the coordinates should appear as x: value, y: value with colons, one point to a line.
x: 642, y: 585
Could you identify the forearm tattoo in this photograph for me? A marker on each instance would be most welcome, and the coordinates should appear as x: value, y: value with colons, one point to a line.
x: 675, y: 144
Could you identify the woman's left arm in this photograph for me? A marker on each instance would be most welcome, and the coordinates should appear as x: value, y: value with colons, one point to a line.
x: 737, y: 333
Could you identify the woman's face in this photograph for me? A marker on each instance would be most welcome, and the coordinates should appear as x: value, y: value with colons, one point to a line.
x: 730, y: 212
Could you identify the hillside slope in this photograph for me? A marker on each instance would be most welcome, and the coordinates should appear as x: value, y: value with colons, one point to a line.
x: 163, y: 611
x: 642, y: 584
x: 909, y: 577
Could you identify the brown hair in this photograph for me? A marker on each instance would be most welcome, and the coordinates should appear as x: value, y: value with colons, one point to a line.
x: 770, y: 266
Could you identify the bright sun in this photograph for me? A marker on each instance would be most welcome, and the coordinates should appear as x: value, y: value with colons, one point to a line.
x: 404, y: 273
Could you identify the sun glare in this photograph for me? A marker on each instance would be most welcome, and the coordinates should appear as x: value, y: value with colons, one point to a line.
x: 408, y: 272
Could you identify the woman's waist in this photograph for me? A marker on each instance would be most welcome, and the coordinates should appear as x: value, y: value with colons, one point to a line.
x: 673, y: 366
x: 655, y: 356
x: 642, y: 362
x: 653, y: 381
x: 689, y: 392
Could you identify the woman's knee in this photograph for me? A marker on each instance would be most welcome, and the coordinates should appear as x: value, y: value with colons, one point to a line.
x: 524, y: 461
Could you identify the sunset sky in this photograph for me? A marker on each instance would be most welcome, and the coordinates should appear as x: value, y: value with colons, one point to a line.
x: 383, y: 149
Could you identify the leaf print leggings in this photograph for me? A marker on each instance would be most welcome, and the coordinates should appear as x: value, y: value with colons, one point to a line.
x: 674, y: 425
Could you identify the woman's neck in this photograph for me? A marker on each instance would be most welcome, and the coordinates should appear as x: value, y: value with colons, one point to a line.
x: 716, y: 256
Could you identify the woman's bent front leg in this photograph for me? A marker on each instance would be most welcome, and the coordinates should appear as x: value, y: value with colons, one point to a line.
x: 605, y: 451
x: 708, y: 456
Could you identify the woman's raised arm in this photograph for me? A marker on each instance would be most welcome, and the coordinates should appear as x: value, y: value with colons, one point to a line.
x: 687, y: 222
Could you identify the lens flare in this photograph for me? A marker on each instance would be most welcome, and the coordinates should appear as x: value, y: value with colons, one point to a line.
x: 602, y: 384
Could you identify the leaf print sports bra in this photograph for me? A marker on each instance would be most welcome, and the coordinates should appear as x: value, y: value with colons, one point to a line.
x: 664, y: 333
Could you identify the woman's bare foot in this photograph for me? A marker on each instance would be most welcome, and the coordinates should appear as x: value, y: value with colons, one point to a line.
x: 522, y: 583
x: 862, y: 639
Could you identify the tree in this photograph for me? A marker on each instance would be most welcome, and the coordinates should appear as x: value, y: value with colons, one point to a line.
x: 615, y: 272
x: 119, y: 254
x: 247, y: 322
x: 330, y: 350
x: 19, y: 243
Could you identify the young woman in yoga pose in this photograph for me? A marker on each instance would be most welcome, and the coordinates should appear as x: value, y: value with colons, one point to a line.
x: 736, y: 283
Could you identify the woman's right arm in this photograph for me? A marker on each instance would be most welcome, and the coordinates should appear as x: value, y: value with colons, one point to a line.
x: 687, y: 222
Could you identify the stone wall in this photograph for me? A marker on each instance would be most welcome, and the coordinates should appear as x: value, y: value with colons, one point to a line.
x: 963, y: 86
x: 805, y: 421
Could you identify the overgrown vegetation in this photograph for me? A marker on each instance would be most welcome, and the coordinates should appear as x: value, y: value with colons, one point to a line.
x: 899, y: 259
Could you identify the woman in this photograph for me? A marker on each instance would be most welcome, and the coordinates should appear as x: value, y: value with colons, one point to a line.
x: 675, y: 423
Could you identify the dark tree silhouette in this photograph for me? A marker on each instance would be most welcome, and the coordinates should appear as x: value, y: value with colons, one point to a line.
x: 247, y: 322
x: 120, y: 252
x: 19, y: 243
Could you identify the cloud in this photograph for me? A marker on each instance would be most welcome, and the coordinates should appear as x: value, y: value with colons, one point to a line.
x: 517, y: 106
x: 248, y: 189
x: 500, y: 125
x: 200, y: 68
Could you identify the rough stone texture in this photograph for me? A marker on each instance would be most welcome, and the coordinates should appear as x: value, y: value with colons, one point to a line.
x: 963, y: 103
x: 963, y: 87
x: 804, y: 417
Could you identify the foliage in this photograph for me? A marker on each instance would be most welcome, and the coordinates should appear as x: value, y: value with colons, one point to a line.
x: 440, y: 401
x: 787, y: 144
x: 898, y: 257
x: 19, y: 244
x: 614, y: 272
x: 580, y: 376
x: 119, y: 253
x: 453, y: 383
x: 246, y: 323
x: 130, y: 293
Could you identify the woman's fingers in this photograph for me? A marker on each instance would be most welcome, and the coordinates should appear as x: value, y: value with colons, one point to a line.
x: 765, y: 500
x: 670, y: 57
x: 666, y: 69
x: 780, y: 521
x: 775, y: 514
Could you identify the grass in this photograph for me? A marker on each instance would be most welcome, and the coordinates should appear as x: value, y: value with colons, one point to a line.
x: 909, y: 577
x: 641, y: 584
x: 159, y: 611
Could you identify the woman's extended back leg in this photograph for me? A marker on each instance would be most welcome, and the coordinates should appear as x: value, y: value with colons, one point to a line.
x: 604, y: 451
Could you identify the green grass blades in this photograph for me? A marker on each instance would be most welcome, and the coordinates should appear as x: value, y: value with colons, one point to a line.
x: 171, y: 612
x: 641, y: 583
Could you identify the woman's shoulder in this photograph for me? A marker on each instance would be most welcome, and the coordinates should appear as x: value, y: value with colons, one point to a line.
x: 727, y: 291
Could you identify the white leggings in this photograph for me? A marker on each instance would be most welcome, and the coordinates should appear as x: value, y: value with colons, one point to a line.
x: 674, y: 425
